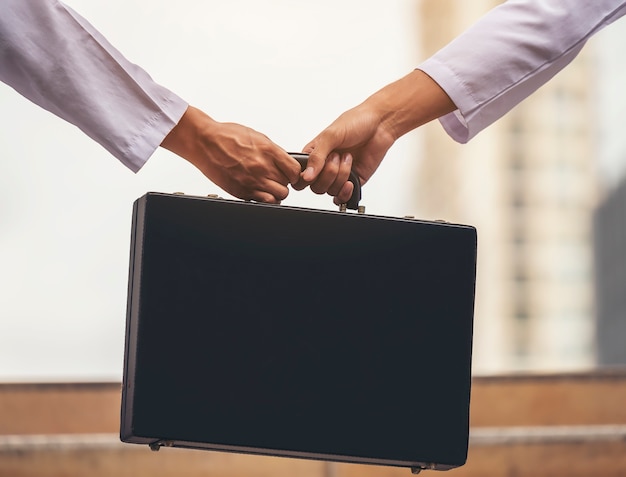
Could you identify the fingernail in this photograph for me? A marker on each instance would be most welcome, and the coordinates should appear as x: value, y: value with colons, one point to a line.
x: 334, y: 158
x: 308, y: 174
x: 347, y: 157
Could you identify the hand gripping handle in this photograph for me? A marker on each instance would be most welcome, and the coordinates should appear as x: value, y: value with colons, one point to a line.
x: 353, y: 202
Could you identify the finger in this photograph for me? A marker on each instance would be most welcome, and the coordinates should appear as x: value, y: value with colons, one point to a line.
x: 345, y: 194
x: 272, y: 193
x: 314, y: 165
x: 309, y: 147
x: 345, y: 166
x: 299, y: 185
x: 288, y: 166
x: 324, y: 145
x: 328, y: 175
x: 277, y: 190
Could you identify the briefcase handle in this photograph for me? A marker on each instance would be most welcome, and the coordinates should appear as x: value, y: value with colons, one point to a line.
x: 353, y: 202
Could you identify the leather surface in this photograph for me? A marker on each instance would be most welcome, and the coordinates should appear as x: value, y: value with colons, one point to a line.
x: 309, y: 332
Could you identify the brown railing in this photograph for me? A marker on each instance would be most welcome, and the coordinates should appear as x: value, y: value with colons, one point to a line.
x: 524, y: 425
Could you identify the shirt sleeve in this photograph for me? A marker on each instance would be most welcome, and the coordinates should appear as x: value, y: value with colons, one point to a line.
x: 509, y: 53
x: 55, y: 58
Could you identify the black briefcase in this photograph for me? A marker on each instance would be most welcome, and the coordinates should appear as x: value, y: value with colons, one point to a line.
x: 293, y: 332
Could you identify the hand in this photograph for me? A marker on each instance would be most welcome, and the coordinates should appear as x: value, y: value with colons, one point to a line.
x: 362, y: 136
x: 357, y: 140
x: 240, y: 160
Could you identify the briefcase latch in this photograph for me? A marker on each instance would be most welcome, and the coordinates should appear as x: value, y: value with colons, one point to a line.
x: 417, y: 469
x: 155, y: 446
x: 344, y: 208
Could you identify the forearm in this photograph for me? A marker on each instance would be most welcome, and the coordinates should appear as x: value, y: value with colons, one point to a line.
x: 410, y: 102
x: 182, y: 140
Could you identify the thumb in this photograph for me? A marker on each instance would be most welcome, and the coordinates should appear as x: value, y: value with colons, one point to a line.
x: 314, y: 166
x: 318, y: 149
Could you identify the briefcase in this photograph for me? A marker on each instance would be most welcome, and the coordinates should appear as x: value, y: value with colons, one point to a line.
x: 294, y: 332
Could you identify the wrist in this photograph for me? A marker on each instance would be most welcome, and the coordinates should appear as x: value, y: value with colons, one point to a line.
x: 410, y: 102
x: 183, y: 138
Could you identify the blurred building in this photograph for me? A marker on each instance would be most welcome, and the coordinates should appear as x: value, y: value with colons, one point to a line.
x: 528, y: 184
x: 610, y: 267
x: 610, y: 217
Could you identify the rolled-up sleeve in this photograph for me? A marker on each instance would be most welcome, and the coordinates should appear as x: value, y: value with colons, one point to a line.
x: 58, y: 60
x: 509, y: 53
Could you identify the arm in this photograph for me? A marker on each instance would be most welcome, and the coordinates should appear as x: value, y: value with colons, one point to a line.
x: 472, y: 82
x: 511, y: 52
x: 55, y: 58
x: 361, y: 136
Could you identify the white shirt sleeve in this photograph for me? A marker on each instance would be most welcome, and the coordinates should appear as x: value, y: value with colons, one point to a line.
x: 509, y: 53
x: 55, y: 58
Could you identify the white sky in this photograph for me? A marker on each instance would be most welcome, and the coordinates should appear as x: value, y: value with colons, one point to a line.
x: 284, y: 68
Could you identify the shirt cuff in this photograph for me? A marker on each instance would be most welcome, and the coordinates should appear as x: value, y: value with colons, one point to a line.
x: 454, y: 123
x: 141, y: 147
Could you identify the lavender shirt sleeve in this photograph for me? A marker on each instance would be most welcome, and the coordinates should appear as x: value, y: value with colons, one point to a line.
x: 55, y: 58
x: 509, y: 53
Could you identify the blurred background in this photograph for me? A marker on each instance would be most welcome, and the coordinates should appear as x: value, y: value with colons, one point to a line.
x: 545, y: 186
x: 531, y: 184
